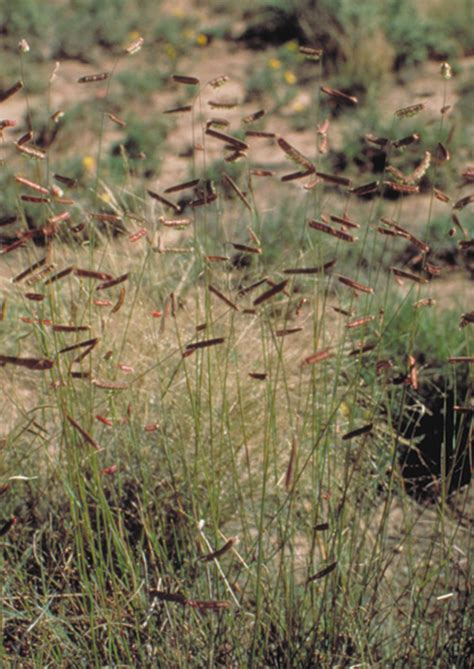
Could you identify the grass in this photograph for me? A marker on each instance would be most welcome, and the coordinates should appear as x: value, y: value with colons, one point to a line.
x: 208, y: 456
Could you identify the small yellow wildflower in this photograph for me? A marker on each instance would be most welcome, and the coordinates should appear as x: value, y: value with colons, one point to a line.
x: 170, y: 51
x: 292, y: 46
x: 274, y: 63
x: 133, y: 35
x: 202, y: 39
x: 297, y: 106
x: 290, y: 78
x: 88, y: 163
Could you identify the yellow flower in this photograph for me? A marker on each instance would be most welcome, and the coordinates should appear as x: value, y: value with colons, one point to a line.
x: 88, y: 163
x: 170, y: 51
x: 133, y: 35
x: 274, y: 63
x: 202, y: 39
x: 297, y: 106
x: 292, y: 46
x: 290, y: 78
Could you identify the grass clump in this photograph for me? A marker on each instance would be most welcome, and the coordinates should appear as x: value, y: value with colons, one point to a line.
x: 214, y: 385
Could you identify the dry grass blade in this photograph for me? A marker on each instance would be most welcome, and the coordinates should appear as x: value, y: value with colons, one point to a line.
x: 345, y: 221
x: 246, y: 249
x: 85, y: 435
x: 175, y: 223
x: 311, y: 54
x: 287, y: 331
x: 92, y: 78
x: 339, y: 95
x: 7, y: 93
x: 457, y: 359
x: 86, y: 343
x: 404, y: 274
x: 406, y: 141
x: 403, y: 232
x: 139, y: 234
x: 208, y: 605
x: 358, y: 432
x: 250, y: 118
x: 223, y: 104
x: 178, y: 110
x: 205, y: 343
x: 365, y: 189
x: 120, y: 301
x: 260, y: 133
x: 222, y: 297
x: 401, y: 188
x: 464, y: 201
x: 339, y: 234
x: 112, y: 282
x: 295, y: 155
x: 35, y: 297
x: 333, y: 179
x: 8, y: 220
x: 439, y: 195
x: 29, y: 270
x: 164, y: 201
x: 359, y: 322
x: 118, y: 121
x: 24, y: 139
x: 271, y: 292
x: 311, y: 270
x: 319, y: 356
x: 183, y: 79
x: 237, y: 190
x: 291, y: 464
x: 65, y: 181
x: 31, y: 184
x: 355, y: 284
x: 163, y: 596
x: 135, y: 46
x: 36, y: 364
x: 31, y: 151
x: 71, y: 328
x: 221, y: 551
x: 217, y: 258
x: 14, y: 245
x: 35, y: 199
x: 60, y: 275
x: 236, y: 144
x: 293, y: 176
x: 182, y: 186
x: 411, y: 110
x: 363, y: 348
x: 92, y: 274
x: 323, y: 572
